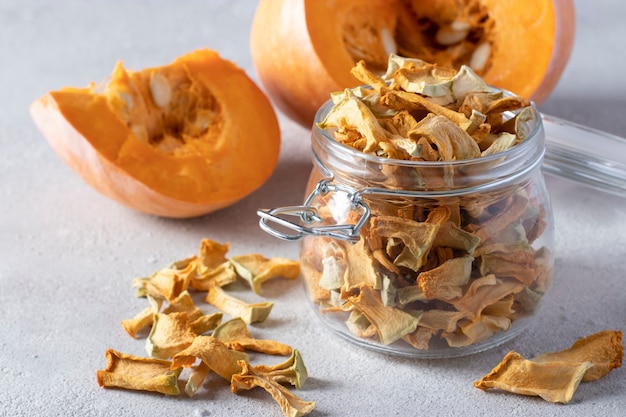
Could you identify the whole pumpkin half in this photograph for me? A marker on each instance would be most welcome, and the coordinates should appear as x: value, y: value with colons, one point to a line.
x: 303, y: 49
x: 180, y: 140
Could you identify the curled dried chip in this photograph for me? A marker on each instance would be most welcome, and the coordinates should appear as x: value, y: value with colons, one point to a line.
x: 256, y: 269
x: 604, y: 349
x: 437, y: 320
x: 333, y: 270
x: 400, y: 100
x: 142, y: 319
x: 235, y: 334
x: 515, y: 207
x: 169, y: 335
x: 501, y: 143
x: 215, y: 354
x: 138, y: 373
x: 492, y: 319
x: 219, y: 276
x: 292, y: 371
x: 447, y: 280
x: 408, y: 241
x: 212, y: 254
x: 249, y: 312
x: 290, y: 404
x: 452, y: 236
x: 196, y: 378
x: 483, y: 292
x: 351, y: 112
x: 360, y: 269
x: 552, y: 381
x: 168, y: 282
x: 555, y: 376
x: 183, y: 303
x: 390, y: 323
x: 205, y: 323
x: 362, y: 74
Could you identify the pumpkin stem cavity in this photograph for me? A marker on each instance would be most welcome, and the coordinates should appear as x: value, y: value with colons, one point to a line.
x: 166, y: 108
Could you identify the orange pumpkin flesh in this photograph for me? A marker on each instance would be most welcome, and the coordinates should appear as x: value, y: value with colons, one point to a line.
x: 179, y: 140
x: 304, y: 49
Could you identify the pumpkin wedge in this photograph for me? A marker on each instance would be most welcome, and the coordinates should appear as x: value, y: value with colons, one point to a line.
x: 303, y: 49
x: 180, y: 140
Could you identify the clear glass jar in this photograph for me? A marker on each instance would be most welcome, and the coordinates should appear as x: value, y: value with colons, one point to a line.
x: 424, y: 259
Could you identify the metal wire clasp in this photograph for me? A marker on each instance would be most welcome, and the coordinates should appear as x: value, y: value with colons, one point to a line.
x: 272, y: 218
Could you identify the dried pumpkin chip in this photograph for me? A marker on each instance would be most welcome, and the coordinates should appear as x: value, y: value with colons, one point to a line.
x: 168, y: 282
x: 256, y: 269
x: 552, y: 381
x: 292, y: 371
x: 138, y: 373
x: 333, y: 270
x: 206, y: 322
x: 249, y: 312
x: 604, y: 349
x: 452, y: 236
x: 492, y: 319
x: 350, y: 112
x: 142, y: 319
x: 408, y: 242
x: 400, y: 100
x: 170, y: 334
x: 196, y: 378
x: 184, y: 303
x: 447, y: 280
x: 235, y: 334
x: 215, y: 354
x: 212, y: 254
x: 390, y: 323
x: 515, y: 207
x: 219, y: 276
x: 360, y: 269
x: 290, y: 404
x: 555, y: 376
x: 483, y: 292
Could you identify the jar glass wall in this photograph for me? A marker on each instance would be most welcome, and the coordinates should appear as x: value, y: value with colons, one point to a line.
x: 443, y: 258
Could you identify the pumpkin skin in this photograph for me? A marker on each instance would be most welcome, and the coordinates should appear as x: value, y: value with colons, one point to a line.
x: 215, y: 141
x: 303, y: 50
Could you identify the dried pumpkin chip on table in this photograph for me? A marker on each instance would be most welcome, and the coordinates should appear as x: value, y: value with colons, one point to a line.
x: 235, y: 334
x: 138, y: 373
x: 179, y: 140
x: 604, y: 349
x: 290, y: 404
x: 555, y: 376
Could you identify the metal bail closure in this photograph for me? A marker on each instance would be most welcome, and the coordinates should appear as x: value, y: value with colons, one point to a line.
x: 273, y: 218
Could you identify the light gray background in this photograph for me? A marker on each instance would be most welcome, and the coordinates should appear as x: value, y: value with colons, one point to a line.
x: 68, y: 255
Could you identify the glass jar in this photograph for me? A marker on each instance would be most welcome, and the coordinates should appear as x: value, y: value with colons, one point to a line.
x: 423, y: 259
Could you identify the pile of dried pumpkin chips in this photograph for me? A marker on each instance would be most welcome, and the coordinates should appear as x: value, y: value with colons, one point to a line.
x: 181, y: 336
x: 445, y: 272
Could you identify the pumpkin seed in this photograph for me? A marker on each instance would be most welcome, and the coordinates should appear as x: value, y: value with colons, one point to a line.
x: 160, y: 89
x: 480, y: 57
x: 451, y: 34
